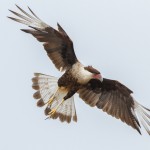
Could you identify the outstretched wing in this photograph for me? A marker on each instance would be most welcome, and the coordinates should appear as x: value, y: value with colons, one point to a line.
x: 114, y: 98
x: 57, y: 43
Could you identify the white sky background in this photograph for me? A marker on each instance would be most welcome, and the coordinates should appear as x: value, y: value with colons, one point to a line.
x: 111, y: 35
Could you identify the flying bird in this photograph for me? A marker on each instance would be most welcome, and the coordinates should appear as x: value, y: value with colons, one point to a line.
x: 57, y: 94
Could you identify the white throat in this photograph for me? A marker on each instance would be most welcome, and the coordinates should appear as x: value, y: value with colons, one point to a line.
x: 80, y: 73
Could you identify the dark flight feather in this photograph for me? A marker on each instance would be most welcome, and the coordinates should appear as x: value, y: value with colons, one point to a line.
x: 57, y: 44
x: 114, y: 98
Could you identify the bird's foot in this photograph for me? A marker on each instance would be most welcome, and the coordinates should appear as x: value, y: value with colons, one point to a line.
x: 53, y: 111
x: 52, y: 98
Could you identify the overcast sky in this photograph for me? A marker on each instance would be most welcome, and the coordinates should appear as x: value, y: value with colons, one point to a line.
x: 111, y: 35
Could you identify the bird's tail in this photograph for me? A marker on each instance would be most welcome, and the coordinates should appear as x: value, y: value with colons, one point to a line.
x: 50, y: 95
x: 143, y: 114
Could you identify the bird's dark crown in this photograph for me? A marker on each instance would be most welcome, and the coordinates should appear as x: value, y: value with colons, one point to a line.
x: 92, y: 70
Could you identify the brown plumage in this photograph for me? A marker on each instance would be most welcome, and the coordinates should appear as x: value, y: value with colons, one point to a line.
x: 91, y: 69
x: 113, y: 98
x: 56, y: 94
x: 57, y: 43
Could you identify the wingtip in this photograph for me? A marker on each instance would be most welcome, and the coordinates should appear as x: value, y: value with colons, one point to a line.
x: 16, y: 5
x: 10, y: 17
x: 29, y: 8
x: 24, y: 30
x: 139, y: 132
x: 11, y: 11
x: 58, y: 25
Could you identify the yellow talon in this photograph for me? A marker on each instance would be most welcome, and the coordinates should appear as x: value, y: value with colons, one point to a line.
x: 50, y: 100
x: 54, y: 109
x: 52, y: 112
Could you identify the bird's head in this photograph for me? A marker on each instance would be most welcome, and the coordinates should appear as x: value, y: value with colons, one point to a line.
x: 95, y: 73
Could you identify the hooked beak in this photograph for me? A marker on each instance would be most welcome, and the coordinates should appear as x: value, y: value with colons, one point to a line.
x: 99, y: 77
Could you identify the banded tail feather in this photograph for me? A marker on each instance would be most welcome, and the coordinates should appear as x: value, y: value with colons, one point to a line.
x: 47, y: 89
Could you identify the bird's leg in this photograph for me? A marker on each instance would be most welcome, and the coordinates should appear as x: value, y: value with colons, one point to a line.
x: 52, y: 98
x: 54, y: 109
x: 69, y: 94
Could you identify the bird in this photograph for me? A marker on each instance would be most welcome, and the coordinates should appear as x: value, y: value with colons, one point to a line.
x: 57, y: 94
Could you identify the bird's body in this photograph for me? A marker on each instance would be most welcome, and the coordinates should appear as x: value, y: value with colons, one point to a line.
x: 57, y: 94
x: 76, y: 74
